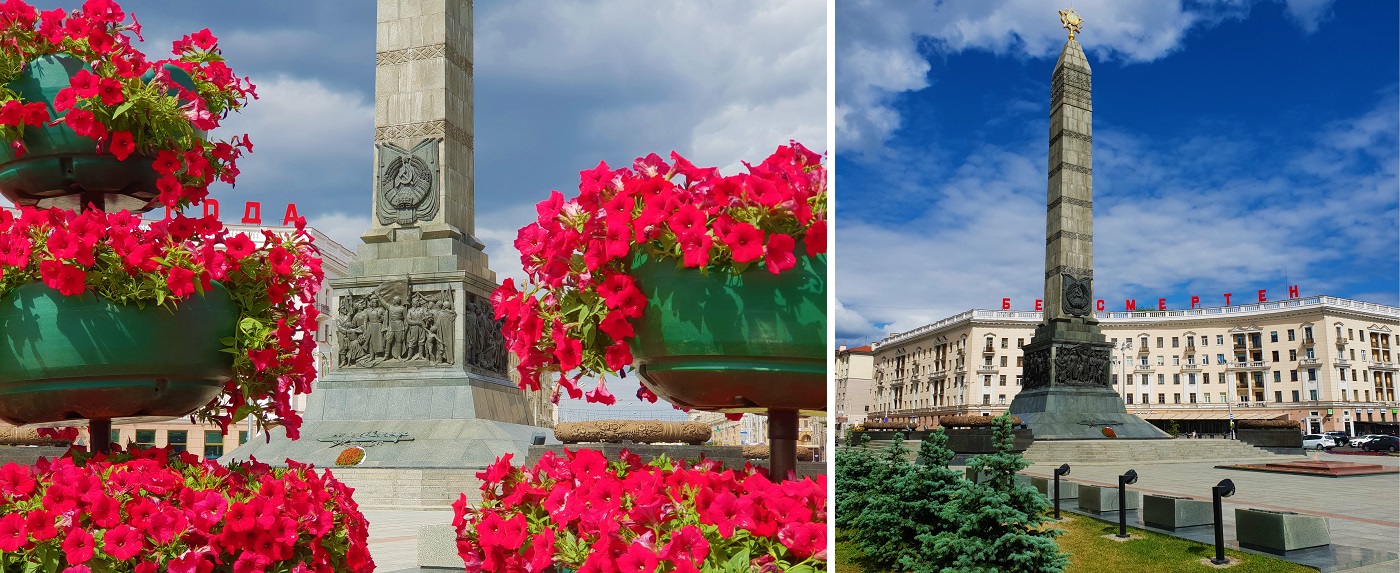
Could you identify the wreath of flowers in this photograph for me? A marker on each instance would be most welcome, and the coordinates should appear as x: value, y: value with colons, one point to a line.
x: 574, y: 315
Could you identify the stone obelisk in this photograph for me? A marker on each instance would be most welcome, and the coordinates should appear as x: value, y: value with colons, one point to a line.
x: 419, y: 372
x: 1066, y: 392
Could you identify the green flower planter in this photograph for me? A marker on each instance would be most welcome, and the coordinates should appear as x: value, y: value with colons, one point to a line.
x: 66, y: 358
x: 743, y: 343
x: 62, y: 169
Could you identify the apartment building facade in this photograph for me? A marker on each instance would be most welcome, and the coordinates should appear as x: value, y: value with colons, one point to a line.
x: 1328, y: 361
x: 854, y: 373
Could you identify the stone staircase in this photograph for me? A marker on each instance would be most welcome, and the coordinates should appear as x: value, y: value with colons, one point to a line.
x: 1054, y: 453
x: 1058, y: 452
x: 409, y: 488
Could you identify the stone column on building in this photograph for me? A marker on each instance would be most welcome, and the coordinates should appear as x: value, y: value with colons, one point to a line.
x: 1066, y: 392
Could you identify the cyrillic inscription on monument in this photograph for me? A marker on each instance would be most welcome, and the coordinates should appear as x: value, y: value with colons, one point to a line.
x: 408, y: 182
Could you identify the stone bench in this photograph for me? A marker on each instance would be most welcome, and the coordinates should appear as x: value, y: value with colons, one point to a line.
x: 1068, y: 489
x: 1103, y: 499
x: 1172, y: 512
x: 1279, y: 531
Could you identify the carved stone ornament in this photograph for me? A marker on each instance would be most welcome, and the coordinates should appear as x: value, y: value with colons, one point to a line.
x: 408, y: 182
x: 1083, y: 365
x: 1036, y: 372
x: 395, y: 326
x: 1078, y: 295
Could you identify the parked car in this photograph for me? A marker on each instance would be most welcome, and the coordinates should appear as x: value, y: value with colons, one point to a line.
x: 1317, y: 442
x: 1360, y: 441
x: 1383, y: 444
x: 1340, y: 438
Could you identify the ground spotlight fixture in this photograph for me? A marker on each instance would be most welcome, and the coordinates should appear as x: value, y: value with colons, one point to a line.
x: 1224, y: 489
x: 1123, y: 481
x: 1063, y: 470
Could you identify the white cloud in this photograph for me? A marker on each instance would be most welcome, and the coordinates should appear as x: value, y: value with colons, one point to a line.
x: 341, y: 227
x: 878, y: 51
x: 1192, y: 223
x: 1308, y: 14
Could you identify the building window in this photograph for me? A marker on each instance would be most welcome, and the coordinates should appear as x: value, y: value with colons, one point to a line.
x: 176, y: 439
x: 1190, y: 341
x: 1222, y: 398
x: 1176, y: 361
x: 1206, y: 396
x: 1002, y: 381
x: 1191, y: 378
x: 986, y: 379
x: 1161, y: 378
x: 145, y: 438
x: 1018, y: 361
x: 1160, y: 361
x: 1144, y: 399
x: 1295, y: 395
x: 1312, y: 375
x: 1176, y: 398
x: 1004, y: 342
x: 1293, y: 375
x: 1001, y: 398
x: 1176, y: 379
x: 1205, y: 341
x: 1313, y: 395
x: 1003, y: 361
x: 1278, y: 395
x: 1275, y: 356
x: 1018, y: 380
x: 1144, y: 342
x: 986, y: 399
x: 1220, y: 340
x: 1159, y: 342
x: 1220, y: 358
x: 1144, y: 379
x: 1205, y: 378
x: 243, y: 434
x: 1175, y: 342
x: 1130, y: 398
x: 1290, y: 334
x: 1273, y: 336
x: 1351, y: 334
x: 213, y: 444
x: 1343, y: 373
x: 116, y: 437
x: 1292, y: 355
x: 1162, y: 398
x: 1020, y: 342
x: 1113, y: 379
x: 1278, y: 376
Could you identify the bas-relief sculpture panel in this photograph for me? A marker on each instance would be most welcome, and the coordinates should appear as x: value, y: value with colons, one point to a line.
x: 408, y: 182
x: 397, y: 326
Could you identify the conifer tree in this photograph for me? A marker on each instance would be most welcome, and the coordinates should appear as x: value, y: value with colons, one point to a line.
x: 907, y: 506
x: 996, y: 521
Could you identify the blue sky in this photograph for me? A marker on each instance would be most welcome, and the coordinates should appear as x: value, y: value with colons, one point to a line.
x: 1235, y: 144
x: 558, y: 87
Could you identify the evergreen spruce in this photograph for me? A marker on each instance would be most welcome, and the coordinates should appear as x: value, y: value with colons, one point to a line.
x: 995, y: 521
x: 856, y: 468
x: 907, y: 506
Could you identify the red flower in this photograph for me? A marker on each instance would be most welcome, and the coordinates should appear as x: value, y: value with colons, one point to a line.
x: 696, y: 249
x: 600, y: 394
x: 65, y: 279
x: 121, y: 145
x: 815, y: 239
x: 618, y: 356
x: 569, y: 352
x: 85, y: 124
x: 239, y: 246
x: 745, y: 241
x: 778, y: 256
x: 123, y: 542
x: 181, y: 281
x: 84, y: 84
x: 166, y: 162
x: 204, y: 40
x: 13, y: 533
x: 616, y: 326
x: 78, y: 545
x: 110, y: 91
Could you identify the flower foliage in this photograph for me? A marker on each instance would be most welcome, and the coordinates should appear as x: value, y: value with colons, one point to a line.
x: 574, y: 316
x: 151, y: 510
x: 584, y: 512
x: 112, y: 255
x: 110, y: 101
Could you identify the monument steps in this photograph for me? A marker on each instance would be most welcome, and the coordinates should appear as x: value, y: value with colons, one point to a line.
x: 1055, y: 452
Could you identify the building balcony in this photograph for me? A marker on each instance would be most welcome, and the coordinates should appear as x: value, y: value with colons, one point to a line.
x: 1142, y: 368
x: 1309, y: 362
x: 989, y: 349
x: 1144, y: 350
x: 960, y: 370
x: 1343, y: 362
x: 987, y: 369
x: 1383, y: 366
x: 1255, y: 365
x: 1308, y: 341
x: 1192, y: 367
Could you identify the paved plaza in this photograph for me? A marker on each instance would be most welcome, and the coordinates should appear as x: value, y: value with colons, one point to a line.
x: 393, y: 536
x: 1363, y: 512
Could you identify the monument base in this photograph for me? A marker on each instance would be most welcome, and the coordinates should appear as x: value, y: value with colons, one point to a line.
x: 1073, y: 413
x: 463, y: 421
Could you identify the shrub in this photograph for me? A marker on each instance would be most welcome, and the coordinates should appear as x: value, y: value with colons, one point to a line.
x: 1269, y: 424
x: 973, y: 421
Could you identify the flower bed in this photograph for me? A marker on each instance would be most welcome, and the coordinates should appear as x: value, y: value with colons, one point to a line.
x: 582, y: 511
x: 151, y: 510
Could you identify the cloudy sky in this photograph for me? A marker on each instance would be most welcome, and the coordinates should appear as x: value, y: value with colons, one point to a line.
x: 559, y: 87
x: 1238, y: 146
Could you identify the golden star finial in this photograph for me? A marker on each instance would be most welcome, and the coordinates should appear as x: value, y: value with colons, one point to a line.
x: 1071, y: 21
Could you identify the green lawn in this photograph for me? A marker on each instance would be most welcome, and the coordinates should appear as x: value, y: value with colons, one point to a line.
x: 1092, y: 553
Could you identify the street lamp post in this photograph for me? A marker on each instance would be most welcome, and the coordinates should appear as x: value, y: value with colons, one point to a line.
x: 1123, y: 350
x: 1225, y: 488
x: 1063, y: 470
x: 1123, y: 481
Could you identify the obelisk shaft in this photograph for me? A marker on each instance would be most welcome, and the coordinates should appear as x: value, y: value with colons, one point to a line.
x: 1069, y: 224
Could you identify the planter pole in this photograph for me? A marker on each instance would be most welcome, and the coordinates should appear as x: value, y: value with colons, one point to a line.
x: 100, y: 436
x: 782, y: 442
